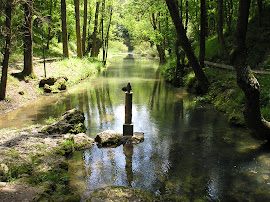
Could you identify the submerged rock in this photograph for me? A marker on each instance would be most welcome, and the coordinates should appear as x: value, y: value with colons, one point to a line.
x: 113, y: 138
x: 117, y: 193
x: 71, y: 122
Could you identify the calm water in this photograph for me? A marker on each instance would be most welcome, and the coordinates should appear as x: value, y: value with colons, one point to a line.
x: 189, y: 149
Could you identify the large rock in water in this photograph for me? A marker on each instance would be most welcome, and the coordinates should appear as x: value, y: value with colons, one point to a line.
x: 71, y: 122
x: 113, y: 138
x: 108, y: 138
x: 115, y: 193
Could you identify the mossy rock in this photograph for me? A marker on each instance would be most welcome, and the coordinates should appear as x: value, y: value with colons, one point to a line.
x: 53, y: 84
x: 109, y: 137
x: 49, y: 81
x: 117, y: 193
x: 71, y: 121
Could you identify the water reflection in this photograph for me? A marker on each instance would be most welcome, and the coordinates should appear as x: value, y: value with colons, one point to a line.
x: 189, y: 150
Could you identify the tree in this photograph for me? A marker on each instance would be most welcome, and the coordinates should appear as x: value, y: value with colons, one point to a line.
x: 220, y: 27
x: 28, y: 38
x: 78, y: 28
x: 184, y: 42
x: 160, y: 49
x: 8, y: 9
x: 95, y: 45
x: 64, y: 28
x: 84, y: 27
x: 245, y: 78
x: 202, y: 33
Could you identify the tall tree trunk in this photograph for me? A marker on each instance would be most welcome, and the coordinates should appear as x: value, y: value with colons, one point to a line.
x: 78, y: 28
x: 202, y: 33
x: 64, y: 28
x: 28, y: 38
x: 229, y: 14
x: 94, y: 41
x: 184, y: 42
x: 84, y: 27
x: 160, y: 49
x: 50, y: 28
x: 186, y: 26
x: 102, y: 31
x: 3, y: 84
x: 260, y: 9
x: 220, y: 27
x: 245, y: 78
x: 107, y: 36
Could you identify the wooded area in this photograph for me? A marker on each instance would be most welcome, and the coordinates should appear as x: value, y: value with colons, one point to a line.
x: 171, y: 29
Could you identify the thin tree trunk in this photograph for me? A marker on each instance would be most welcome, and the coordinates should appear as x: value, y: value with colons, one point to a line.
x: 3, y: 84
x: 260, y: 9
x: 94, y: 41
x: 28, y: 38
x: 160, y: 49
x: 220, y: 27
x: 107, y: 36
x: 64, y: 28
x: 78, y: 28
x: 102, y: 32
x: 202, y: 33
x: 50, y: 28
x: 84, y: 27
x: 184, y: 42
x: 186, y: 26
x: 245, y: 78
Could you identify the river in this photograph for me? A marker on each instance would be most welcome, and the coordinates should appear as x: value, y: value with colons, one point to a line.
x: 189, y: 149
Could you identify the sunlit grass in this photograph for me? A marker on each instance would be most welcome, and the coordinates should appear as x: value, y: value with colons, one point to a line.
x: 76, y: 69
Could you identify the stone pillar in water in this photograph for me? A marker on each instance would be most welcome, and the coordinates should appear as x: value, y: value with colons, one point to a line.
x: 128, y: 125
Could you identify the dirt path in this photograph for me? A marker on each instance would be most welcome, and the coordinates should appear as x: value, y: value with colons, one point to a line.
x: 229, y: 67
x: 21, y: 92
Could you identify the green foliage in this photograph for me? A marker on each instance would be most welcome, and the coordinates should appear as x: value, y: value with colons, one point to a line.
x: 145, y: 48
x: 168, y: 69
x: 117, y: 46
x: 213, y: 50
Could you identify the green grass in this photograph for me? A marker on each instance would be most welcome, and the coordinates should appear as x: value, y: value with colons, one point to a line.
x: 76, y: 69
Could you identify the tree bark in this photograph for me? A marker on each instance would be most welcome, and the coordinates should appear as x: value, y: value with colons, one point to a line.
x: 78, y: 28
x: 245, y: 78
x: 186, y: 25
x: 184, y: 42
x: 64, y: 28
x: 84, y: 27
x: 28, y: 38
x: 94, y: 41
x: 160, y: 49
x: 202, y: 33
x: 107, y: 36
x: 8, y: 23
x: 102, y: 31
x: 50, y: 28
x: 260, y: 9
x: 220, y: 27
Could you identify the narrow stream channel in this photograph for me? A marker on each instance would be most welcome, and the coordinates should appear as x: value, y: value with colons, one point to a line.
x: 189, y: 149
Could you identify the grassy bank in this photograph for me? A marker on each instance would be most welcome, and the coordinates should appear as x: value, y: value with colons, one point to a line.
x: 224, y: 93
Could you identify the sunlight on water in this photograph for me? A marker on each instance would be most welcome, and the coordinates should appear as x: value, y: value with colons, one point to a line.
x: 189, y: 149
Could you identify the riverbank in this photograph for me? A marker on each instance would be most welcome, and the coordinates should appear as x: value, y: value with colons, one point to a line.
x: 33, y: 159
x: 22, y: 91
x: 33, y: 164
